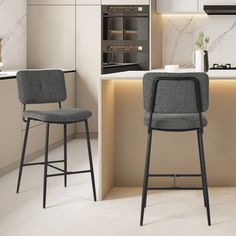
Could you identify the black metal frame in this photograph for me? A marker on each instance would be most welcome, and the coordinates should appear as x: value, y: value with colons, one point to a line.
x: 203, y: 174
x: 47, y: 163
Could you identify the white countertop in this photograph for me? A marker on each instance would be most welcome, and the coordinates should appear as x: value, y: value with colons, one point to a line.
x: 137, y: 75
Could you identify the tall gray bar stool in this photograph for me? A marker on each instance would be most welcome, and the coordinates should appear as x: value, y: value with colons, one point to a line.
x: 174, y: 102
x: 48, y: 86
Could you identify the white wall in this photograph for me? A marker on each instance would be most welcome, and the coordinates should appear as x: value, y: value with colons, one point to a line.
x: 13, y: 33
x: 179, y: 35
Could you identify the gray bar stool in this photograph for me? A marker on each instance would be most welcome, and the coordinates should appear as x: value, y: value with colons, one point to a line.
x: 48, y: 86
x: 174, y: 102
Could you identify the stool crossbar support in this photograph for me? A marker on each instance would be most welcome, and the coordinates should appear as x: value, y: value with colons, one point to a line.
x: 41, y: 163
x: 174, y: 175
x: 174, y: 188
x: 69, y: 173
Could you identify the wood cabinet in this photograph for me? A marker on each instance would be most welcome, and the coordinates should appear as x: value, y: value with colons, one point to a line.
x: 215, y: 2
x: 177, y: 6
x: 88, y: 60
x: 51, y: 40
x: 10, y: 126
x: 125, y: 2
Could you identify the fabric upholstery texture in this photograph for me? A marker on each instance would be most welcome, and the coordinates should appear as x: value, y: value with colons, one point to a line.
x: 176, y: 103
x: 175, y: 121
x: 41, y: 86
x: 175, y: 96
x: 66, y: 115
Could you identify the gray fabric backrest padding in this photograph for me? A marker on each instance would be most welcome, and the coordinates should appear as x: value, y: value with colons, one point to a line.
x: 41, y: 86
x: 175, y: 96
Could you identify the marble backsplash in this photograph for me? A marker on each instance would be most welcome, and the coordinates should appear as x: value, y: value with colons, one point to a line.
x: 13, y: 33
x: 180, y: 32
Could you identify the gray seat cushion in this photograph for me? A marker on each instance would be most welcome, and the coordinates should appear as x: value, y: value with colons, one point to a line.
x: 189, y: 121
x: 66, y: 115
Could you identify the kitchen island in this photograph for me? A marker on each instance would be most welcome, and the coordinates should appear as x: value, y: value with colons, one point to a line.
x: 122, y: 135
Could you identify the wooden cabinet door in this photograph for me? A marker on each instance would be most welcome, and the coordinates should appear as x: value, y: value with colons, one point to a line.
x: 10, y: 126
x: 51, y: 37
x: 88, y: 60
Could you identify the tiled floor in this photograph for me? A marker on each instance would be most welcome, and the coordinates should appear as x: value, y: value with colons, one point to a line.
x: 72, y: 212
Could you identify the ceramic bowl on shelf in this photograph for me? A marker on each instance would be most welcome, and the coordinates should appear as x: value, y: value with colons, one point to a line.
x: 171, y: 68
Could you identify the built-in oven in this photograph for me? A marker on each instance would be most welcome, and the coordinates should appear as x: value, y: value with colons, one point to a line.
x: 125, y: 38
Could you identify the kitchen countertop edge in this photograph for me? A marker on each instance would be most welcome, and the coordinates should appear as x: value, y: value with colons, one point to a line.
x: 137, y: 75
x: 12, y: 74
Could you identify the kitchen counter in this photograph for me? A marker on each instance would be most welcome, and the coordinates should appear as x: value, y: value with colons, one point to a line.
x: 122, y: 134
x: 134, y: 75
x: 12, y: 74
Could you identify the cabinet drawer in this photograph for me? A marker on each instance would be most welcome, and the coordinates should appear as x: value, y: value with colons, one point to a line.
x: 10, y: 126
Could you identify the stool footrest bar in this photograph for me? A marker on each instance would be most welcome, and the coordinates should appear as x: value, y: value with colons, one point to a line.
x: 175, y: 188
x: 70, y: 173
x: 42, y: 163
x: 174, y: 175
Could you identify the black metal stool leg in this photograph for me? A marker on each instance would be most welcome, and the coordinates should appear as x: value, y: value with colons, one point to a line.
x: 90, y: 160
x: 45, y: 166
x: 65, y: 155
x: 201, y: 166
x: 204, y: 175
x: 146, y: 175
x: 23, y: 155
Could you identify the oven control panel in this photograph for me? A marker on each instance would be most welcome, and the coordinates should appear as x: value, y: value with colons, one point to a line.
x: 125, y: 48
x: 125, y: 9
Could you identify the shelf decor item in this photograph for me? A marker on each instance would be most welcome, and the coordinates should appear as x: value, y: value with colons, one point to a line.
x: 201, y: 54
x: 1, y: 64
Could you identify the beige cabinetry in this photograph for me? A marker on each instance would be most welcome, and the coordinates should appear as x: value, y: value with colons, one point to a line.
x: 51, y: 36
x: 88, y: 59
x: 177, y: 6
x: 10, y: 126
